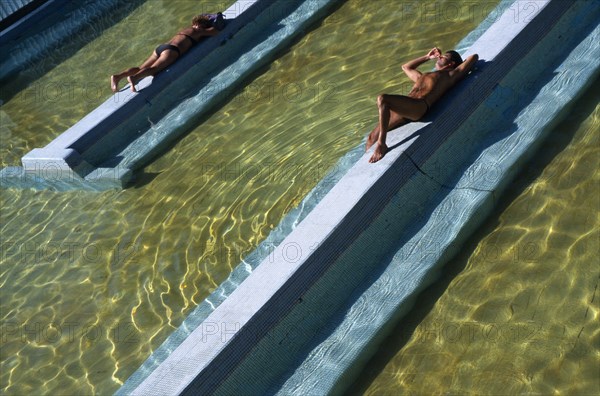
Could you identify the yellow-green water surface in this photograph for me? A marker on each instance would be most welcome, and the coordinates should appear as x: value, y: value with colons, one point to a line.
x: 93, y: 282
x: 518, y: 310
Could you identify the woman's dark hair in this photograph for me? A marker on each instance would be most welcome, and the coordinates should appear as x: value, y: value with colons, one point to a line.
x: 455, y: 57
x: 201, y: 20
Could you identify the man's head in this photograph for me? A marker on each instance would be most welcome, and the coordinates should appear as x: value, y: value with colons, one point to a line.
x: 449, y: 60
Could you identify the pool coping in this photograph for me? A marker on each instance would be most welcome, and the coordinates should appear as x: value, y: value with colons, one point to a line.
x: 214, y: 349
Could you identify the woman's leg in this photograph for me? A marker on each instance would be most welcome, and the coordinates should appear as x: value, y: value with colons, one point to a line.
x: 166, y: 58
x: 115, y: 78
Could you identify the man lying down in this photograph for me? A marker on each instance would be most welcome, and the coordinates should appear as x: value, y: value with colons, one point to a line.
x: 397, y: 110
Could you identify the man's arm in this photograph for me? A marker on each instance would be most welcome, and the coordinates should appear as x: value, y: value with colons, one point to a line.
x: 410, y: 68
x: 464, y: 68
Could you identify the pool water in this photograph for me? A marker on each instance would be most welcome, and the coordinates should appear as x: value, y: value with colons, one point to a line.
x: 517, y: 311
x: 50, y: 104
x: 93, y: 282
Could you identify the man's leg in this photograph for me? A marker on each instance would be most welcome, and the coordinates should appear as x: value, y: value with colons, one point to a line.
x: 396, y: 120
x: 412, y: 109
x: 406, y: 107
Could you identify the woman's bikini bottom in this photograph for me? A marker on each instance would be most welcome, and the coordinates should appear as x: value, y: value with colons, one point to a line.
x: 164, y: 47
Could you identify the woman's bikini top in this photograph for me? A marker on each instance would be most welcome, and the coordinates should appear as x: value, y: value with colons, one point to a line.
x: 190, y: 37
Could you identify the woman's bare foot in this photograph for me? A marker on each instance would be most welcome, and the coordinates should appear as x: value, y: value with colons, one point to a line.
x: 114, y: 83
x: 130, y: 79
x: 380, y: 151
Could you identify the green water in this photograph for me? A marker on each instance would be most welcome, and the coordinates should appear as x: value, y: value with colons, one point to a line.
x: 93, y: 282
x: 517, y: 312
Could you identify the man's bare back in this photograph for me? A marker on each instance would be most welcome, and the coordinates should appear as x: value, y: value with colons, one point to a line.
x: 396, y: 110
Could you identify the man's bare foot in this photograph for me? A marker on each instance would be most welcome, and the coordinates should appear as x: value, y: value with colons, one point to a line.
x: 114, y: 82
x: 370, y: 141
x: 130, y: 79
x: 380, y: 151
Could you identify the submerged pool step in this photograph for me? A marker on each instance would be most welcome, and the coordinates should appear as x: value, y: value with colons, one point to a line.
x: 307, y: 317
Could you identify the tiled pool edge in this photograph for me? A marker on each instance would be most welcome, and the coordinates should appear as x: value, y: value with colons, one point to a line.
x: 222, y: 329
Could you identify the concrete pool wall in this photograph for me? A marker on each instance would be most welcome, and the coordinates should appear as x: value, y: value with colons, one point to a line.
x: 310, y: 314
